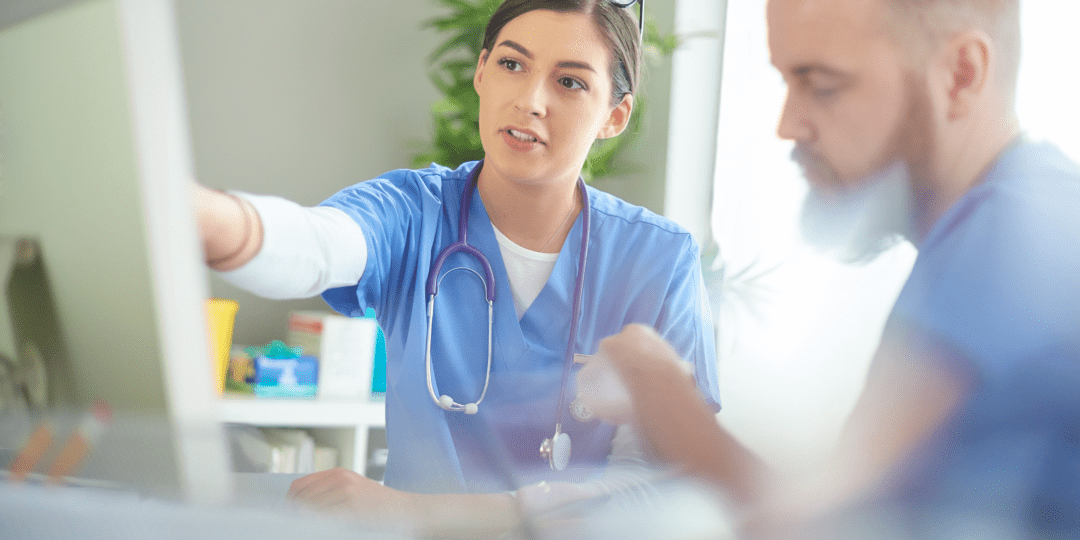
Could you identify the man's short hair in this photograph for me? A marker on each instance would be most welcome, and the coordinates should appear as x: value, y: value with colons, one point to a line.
x: 922, y: 26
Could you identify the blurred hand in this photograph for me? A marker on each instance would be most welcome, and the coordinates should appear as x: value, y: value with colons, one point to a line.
x: 71, y: 456
x: 31, y: 453
x: 639, y: 354
x: 344, y: 492
x: 544, y: 497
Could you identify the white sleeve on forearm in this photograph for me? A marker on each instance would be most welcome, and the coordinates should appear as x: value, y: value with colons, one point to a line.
x: 304, y: 250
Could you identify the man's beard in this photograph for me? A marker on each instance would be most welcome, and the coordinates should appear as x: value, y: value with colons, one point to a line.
x: 858, y: 224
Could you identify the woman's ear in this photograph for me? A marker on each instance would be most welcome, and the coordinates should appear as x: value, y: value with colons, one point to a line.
x: 479, y: 75
x: 618, y: 119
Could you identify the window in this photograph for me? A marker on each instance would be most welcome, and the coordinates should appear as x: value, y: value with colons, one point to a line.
x: 796, y: 330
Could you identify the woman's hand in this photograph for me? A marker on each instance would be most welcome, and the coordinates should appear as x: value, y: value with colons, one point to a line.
x: 342, y: 492
x: 341, y: 489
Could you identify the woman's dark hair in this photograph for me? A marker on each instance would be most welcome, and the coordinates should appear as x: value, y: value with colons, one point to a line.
x: 616, y: 26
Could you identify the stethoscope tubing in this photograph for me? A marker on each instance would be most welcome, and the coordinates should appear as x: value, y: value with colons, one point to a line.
x: 454, y: 406
x: 575, y: 319
x: 462, y: 246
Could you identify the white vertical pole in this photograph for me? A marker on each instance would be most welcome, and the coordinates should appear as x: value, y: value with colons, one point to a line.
x: 695, y: 108
x: 180, y: 286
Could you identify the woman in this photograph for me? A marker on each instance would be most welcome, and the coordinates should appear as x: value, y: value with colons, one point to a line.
x: 554, y: 76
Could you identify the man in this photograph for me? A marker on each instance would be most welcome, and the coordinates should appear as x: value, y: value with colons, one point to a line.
x: 969, y: 424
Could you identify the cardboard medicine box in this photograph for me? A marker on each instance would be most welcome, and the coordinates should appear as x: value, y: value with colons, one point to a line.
x: 344, y: 347
x: 286, y: 377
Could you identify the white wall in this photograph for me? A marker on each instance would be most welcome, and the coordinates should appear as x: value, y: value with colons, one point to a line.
x: 301, y: 99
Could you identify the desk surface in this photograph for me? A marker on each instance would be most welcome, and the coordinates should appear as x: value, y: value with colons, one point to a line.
x: 30, y: 512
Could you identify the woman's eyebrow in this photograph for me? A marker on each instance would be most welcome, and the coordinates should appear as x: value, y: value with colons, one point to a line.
x: 517, y: 47
x: 525, y: 52
x: 576, y: 65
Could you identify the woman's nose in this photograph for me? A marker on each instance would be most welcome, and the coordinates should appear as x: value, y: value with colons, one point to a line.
x: 533, y: 98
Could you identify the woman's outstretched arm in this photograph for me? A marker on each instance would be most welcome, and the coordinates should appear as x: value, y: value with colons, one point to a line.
x: 275, y: 248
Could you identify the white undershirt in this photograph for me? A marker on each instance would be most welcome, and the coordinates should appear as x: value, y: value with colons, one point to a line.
x: 527, y: 270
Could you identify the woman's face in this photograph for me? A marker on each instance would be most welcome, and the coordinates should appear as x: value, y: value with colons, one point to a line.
x: 545, y: 96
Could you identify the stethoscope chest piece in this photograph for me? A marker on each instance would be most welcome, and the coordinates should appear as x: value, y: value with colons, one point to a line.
x: 557, y: 450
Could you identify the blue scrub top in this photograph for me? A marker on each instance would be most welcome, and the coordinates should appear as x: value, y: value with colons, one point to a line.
x: 997, y: 282
x: 641, y: 268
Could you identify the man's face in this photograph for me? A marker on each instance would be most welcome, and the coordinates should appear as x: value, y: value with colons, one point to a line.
x: 846, y: 94
x: 859, y: 116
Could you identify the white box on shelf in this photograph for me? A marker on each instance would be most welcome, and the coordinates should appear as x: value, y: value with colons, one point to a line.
x: 345, y: 348
x: 297, y: 449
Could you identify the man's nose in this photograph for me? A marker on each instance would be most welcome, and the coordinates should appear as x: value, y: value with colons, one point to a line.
x: 793, y: 125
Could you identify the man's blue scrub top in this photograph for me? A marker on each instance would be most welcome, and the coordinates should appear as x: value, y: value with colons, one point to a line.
x: 997, y: 282
x: 641, y: 268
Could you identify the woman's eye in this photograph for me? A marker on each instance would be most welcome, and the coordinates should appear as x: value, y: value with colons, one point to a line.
x: 511, y: 64
x: 570, y: 83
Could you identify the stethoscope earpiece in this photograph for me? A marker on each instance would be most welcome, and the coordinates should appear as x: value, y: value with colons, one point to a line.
x: 471, y: 408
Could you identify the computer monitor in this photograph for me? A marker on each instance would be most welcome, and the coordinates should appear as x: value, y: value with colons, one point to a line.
x: 95, y: 168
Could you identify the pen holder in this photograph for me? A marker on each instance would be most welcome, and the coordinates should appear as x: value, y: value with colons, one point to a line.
x: 220, y: 314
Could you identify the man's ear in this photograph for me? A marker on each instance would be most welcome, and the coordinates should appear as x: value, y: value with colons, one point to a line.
x: 966, y: 66
x: 479, y: 75
x: 618, y: 119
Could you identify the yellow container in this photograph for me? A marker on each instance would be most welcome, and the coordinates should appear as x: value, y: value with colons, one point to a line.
x: 220, y: 314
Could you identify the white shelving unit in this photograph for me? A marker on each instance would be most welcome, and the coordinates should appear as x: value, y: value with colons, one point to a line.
x: 341, y: 424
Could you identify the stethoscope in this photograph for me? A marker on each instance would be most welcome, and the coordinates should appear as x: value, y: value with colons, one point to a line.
x: 556, y: 449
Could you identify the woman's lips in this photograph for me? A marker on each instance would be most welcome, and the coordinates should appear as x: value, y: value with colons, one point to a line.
x: 521, y: 140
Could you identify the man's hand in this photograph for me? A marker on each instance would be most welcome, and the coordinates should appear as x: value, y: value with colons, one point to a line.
x: 640, y: 355
x: 679, y: 427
